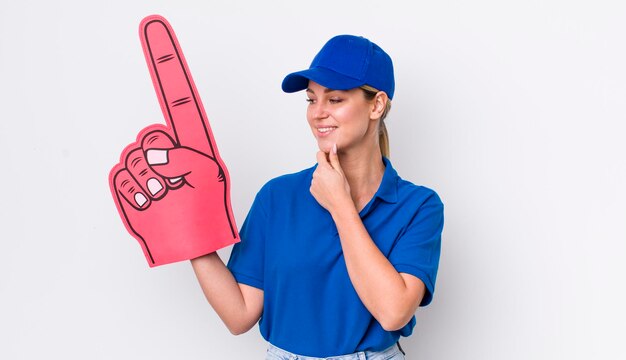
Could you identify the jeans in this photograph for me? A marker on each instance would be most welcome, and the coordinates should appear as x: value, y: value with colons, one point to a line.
x: 391, y: 353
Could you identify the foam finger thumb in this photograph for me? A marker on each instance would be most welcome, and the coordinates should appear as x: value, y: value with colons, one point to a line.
x: 178, y: 162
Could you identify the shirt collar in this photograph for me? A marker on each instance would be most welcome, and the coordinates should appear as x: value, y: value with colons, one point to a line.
x: 388, y: 189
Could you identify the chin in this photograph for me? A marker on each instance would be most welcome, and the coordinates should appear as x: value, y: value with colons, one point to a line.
x: 325, y: 147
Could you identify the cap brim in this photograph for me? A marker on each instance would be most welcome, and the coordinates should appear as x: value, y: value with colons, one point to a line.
x: 333, y: 80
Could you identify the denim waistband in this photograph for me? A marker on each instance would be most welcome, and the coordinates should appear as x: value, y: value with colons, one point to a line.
x: 392, y: 352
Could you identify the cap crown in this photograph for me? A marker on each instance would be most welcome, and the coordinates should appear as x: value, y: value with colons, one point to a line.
x: 345, y: 54
x: 346, y: 62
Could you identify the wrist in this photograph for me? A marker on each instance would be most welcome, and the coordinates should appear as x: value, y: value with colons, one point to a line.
x: 344, y: 211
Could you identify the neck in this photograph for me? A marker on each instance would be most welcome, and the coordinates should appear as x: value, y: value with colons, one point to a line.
x: 364, y: 171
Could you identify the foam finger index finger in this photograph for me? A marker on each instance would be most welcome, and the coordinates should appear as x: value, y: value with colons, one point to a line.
x: 176, y: 91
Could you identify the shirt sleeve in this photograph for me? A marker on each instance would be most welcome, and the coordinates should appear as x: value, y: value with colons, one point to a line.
x: 247, y: 259
x: 417, y: 250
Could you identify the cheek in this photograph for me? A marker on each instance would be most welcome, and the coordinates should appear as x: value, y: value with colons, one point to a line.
x: 309, y: 116
x: 355, y: 120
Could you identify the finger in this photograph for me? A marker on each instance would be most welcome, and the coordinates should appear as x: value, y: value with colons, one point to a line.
x: 151, y: 183
x: 322, y: 160
x: 179, y: 99
x: 334, y: 158
x: 160, y: 140
x: 190, y: 164
x: 128, y: 189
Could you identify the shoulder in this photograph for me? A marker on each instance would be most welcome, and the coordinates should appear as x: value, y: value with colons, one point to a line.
x: 287, y: 184
x: 418, y: 193
x: 408, y: 192
x: 422, y: 207
x: 417, y: 201
x: 281, y: 193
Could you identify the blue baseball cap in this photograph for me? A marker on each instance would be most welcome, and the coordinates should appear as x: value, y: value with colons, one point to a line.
x: 346, y: 62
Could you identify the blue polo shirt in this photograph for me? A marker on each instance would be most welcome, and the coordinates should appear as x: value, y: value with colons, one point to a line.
x: 291, y: 250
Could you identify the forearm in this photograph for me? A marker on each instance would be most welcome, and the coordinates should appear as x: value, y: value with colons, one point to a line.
x: 380, y: 287
x: 224, y: 293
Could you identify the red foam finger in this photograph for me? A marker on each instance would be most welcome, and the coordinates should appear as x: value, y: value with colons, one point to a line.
x: 191, y: 215
x: 179, y: 99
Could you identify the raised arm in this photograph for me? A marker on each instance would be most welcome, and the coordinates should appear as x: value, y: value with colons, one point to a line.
x: 238, y: 305
x: 391, y: 297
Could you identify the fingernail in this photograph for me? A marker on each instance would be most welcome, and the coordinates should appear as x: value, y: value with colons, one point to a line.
x: 334, y: 148
x: 154, y: 186
x: 176, y: 179
x: 156, y: 156
x: 140, y: 199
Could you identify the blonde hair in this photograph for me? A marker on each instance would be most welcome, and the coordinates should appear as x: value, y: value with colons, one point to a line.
x: 383, y: 135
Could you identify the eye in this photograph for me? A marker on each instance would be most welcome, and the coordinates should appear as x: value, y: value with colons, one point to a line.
x: 335, y: 100
x: 310, y: 101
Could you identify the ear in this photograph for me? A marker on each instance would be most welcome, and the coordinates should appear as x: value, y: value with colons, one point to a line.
x: 378, y: 105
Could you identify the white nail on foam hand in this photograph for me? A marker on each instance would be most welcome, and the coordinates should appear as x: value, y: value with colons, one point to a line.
x: 154, y: 186
x: 156, y: 157
x: 140, y: 199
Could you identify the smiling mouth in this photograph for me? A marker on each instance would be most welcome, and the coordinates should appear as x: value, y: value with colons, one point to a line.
x: 326, y: 130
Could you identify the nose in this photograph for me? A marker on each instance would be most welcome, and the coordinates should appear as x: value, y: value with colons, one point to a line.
x: 318, y: 111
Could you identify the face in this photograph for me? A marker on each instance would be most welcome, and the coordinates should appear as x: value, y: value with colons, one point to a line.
x: 341, y: 117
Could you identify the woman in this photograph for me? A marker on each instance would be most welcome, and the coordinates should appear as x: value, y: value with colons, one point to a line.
x: 334, y: 260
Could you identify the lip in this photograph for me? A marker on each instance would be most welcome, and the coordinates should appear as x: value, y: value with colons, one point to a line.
x: 323, y: 131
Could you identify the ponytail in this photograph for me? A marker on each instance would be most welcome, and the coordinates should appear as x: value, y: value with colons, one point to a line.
x: 383, y: 139
x: 383, y: 135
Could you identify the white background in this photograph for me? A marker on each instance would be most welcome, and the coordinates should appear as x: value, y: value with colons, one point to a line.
x: 514, y: 111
